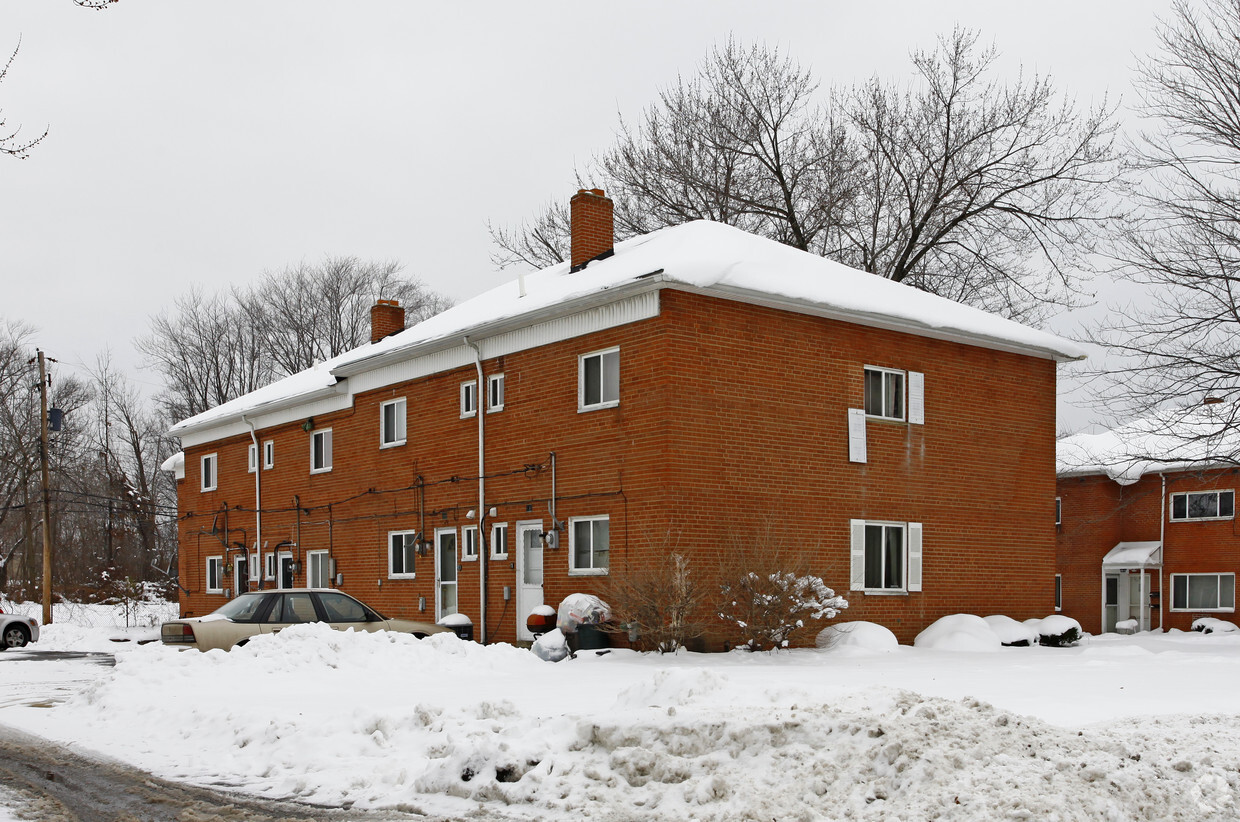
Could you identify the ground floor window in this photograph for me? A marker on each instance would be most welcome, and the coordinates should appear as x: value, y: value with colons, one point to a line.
x: 886, y: 556
x: 215, y: 575
x: 1203, y: 592
x: 318, y: 569
x: 590, y: 548
x: 1058, y: 592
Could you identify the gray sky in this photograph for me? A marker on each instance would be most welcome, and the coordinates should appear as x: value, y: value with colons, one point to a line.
x: 203, y: 143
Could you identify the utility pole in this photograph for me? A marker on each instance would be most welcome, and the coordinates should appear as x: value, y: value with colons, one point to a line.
x: 46, y: 481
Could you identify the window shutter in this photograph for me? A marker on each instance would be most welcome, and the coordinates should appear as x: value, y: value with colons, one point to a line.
x: 858, y: 554
x: 914, y: 556
x: 856, y: 435
x: 917, y: 397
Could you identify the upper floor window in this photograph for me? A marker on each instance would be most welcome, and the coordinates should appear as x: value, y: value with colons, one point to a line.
x: 1203, y: 592
x: 598, y: 380
x: 402, y: 551
x: 590, y: 544
x: 495, y: 392
x: 469, y: 399
x: 209, y: 472
x: 392, y: 423
x: 253, y: 458
x: 321, y: 451
x: 269, y: 455
x: 884, y: 393
x: 1203, y: 505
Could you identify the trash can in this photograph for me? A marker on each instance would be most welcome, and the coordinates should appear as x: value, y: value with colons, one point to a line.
x: 591, y: 637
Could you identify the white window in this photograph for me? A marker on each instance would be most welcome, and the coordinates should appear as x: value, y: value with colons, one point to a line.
x: 469, y: 399
x: 209, y: 474
x: 269, y: 455
x: 598, y: 380
x: 318, y: 569
x: 253, y: 458
x: 321, y: 451
x: 884, y: 393
x: 392, y: 423
x: 886, y: 556
x: 1058, y: 592
x: 269, y: 566
x: 469, y: 550
x: 499, y: 541
x: 589, y: 545
x: 215, y: 575
x: 495, y: 393
x: 254, y: 569
x: 1203, y: 592
x: 402, y: 550
x: 1058, y: 510
x: 1203, y: 505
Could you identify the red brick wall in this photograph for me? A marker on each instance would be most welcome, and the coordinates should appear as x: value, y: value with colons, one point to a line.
x: 1098, y: 513
x: 730, y: 437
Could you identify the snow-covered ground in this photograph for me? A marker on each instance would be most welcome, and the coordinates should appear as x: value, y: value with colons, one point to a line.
x: 1117, y: 728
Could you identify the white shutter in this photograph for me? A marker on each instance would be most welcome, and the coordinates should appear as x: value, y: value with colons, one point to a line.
x: 254, y: 569
x: 856, y: 435
x: 914, y: 556
x: 917, y: 397
x: 857, y: 564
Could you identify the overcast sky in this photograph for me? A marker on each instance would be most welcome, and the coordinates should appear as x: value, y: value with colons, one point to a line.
x: 203, y: 143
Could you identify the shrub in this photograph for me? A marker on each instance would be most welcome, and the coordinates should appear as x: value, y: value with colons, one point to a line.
x: 768, y: 609
x: 657, y: 606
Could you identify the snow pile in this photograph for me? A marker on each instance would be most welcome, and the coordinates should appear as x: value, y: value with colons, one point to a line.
x: 1056, y: 629
x: 1010, y: 632
x: 958, y: 632
x: 1210, y: 625
x: 857, y: 637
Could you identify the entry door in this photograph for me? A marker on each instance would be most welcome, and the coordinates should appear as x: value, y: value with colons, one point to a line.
x: 445, y: 572
x: 1110, y: 603
x: 529, y: 573
x: 241, y: 574
x: 286, y: 571
x: 1139, y: 599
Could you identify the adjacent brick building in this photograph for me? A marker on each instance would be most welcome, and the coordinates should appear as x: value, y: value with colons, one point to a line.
x: 696, y: 390
x: 1146, y: 524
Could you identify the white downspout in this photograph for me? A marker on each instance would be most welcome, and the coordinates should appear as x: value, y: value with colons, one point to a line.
x: 1162, y: 550
x: 483, y: 552
x: 258, y: 504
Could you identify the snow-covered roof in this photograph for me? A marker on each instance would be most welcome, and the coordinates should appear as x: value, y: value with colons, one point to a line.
x: 699, y: 256
x: 1134, y: 555
x: 174, y: 465
x: 1177, y: 440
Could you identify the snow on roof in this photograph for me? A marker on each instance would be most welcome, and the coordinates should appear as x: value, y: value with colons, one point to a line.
x: 1177, y: 440
x: 175, y: 465
x: 698, y: 255
x: 1134, y: 555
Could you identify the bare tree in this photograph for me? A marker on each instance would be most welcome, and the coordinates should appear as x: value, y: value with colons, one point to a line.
x: 1182, y: 346
x: 658, y: 606
x: 11, y: 141
x: 986, y: 192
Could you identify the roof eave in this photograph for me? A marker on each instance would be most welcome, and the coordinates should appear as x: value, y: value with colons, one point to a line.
x: 187, y: 427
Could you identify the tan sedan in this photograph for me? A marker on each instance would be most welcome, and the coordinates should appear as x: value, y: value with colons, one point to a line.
x: 268, y: 612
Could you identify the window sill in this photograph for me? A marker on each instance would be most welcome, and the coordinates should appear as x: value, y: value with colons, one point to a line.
x: 469, y: 416
x: 495, y: 410
x: 207, y: 490
x: 499, y: 556
x: 1203, y: 519
x: 587, y: 572
x: 469, y: 559
x: 877, y: 418
x: 1203, y: 610
x: 581, y: 409
x: 320, y: 470
x: 396, y: 444
x: 402, y: 576
x: 885, y: 592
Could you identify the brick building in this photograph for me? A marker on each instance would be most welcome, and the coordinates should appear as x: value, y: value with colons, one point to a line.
x: 1146, y: 524
x: 698, y: 390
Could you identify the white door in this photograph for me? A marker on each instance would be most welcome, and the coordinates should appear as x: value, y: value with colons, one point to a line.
x: 445, y: 572
x: 529, y: 573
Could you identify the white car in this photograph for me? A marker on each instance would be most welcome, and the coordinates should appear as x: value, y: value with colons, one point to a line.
x: 269, y: 612
x: 17, y: 631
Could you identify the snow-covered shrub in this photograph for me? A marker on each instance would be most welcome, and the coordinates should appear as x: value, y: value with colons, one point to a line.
x: 657, y: 606
x: 959, y: 632
x: 859, y: 635
x: 1210, y: 625
x: 1010, y: 632
x: 767, y: 609
x: 1058, y: 631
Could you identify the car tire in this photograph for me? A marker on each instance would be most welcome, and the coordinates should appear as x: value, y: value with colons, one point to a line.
x: 15, y: 636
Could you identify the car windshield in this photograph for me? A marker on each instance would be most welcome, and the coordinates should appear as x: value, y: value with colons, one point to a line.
x: 242, y: 608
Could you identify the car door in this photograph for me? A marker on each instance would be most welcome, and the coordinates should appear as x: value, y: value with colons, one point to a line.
x: 343, y: 612
x: 290, y: 608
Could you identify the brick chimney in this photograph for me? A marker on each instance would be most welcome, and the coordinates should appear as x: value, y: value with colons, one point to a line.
x: 593, y: 231
x: 386, y: 318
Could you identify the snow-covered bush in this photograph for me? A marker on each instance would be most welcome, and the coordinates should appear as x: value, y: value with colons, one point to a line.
x: 1057, y: 631
x: 959, y: 632
x: 1010, y: 632
x: 1211, y: 625
x: 767, y: 609
x: 859, y: 635
x: 657, y: 606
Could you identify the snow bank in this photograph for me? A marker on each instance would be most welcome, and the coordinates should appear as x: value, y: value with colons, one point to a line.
x: 1210, y: 625
x: 858, y: 636
x: 958, y: 632
x: 1011, y: 632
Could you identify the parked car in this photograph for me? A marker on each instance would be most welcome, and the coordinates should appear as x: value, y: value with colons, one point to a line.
x: 268, y: 612
x: 17, y: 631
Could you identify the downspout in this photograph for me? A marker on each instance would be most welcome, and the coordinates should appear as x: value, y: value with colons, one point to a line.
x: 258, y: 504
x: 480, y: 404
x: 1162, y: 545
